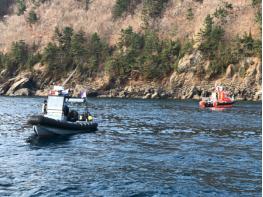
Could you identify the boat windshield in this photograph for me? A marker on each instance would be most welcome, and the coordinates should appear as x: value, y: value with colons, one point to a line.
x: 78, y: 104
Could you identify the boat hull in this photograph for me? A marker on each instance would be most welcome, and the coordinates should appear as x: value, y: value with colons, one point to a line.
x: 204, y: 104
x: 44, y: 131
x: 44, y: 126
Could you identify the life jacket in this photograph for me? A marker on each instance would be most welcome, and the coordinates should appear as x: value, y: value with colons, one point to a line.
x: 90, y: 118
x: 221, y: 95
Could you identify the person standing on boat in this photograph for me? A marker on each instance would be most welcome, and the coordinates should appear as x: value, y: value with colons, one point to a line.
x: 221, y: 93
x: 44, y: 107
x: 65, y: 110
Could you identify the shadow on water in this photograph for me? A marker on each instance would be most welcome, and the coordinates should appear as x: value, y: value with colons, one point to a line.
x: 35, y: 140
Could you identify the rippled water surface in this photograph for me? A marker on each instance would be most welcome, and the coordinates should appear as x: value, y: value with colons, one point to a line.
x: 142, y: 148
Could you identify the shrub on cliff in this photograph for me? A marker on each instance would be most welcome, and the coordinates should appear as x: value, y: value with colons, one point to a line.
x: 64, y: 38
x: 221, y: 54
x: 224, y: 57
x: 57, y: 56
x: 120, y: 7
x: 210, y: 37
x: 86, y: 3
x: 97, y: 53
x: 21, y: 7
x: 32, y: 17
x: 143, y: 53
x: 2, y: 60
x: 124, y: 6
x: 223, y: 11
x: 154, y: 8
x: 7, y: 63
x: 258, y: 18
x: 130, y: 41
x: 190, y: 14
x: 247, y: 46
x: 51, y: 56
x: 20, y: 57
x: 74, y: 49
x: 214, y: 48
x: 78, y: 48
x: 19, y: 53
x: 33, y: 58
x: 159, y: 56
x: 129, y: 48
x: 255, y: 2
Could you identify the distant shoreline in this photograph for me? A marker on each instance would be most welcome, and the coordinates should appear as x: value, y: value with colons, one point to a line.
x: 131, y: 98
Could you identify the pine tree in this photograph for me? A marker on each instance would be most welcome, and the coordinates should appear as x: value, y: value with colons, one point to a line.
x: 210, y: 37
x: 78, y: 50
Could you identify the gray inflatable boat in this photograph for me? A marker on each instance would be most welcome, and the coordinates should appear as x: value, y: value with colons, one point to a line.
x: 44, y: 126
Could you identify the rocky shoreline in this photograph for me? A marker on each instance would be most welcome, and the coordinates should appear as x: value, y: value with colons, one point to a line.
x: 194, y: 92
x: 243, y: 81
x: 23, y: 86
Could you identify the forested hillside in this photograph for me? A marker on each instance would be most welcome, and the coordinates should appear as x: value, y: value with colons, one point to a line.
x: 119, y: 45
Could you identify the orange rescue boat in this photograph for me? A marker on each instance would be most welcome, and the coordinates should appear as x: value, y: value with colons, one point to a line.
x: 218, y: 99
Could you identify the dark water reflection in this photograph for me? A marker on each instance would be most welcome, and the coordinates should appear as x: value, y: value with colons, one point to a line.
x: 142, y: 148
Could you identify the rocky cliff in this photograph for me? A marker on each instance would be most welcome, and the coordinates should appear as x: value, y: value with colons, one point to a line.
x: 242, y: 80
x: 182, y: 20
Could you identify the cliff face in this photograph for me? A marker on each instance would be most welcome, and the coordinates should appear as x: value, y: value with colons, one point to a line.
x: 182, y: 19
x: 243, y: 81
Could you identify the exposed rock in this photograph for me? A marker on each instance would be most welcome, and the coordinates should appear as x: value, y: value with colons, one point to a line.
x: 103, y: 96
x: 113, y: 93
x: 230, y: 71
x: 186, y: 85
x: 239, y: 98
x: 147, y: 96
x: 19, y: 83
x: 3, y: 72
x: 235, y: 78
x: 251, y: 71
x: 77, y: 89
x: 163, y: 95
x: 92, y: 93
x: 259, y: 73
x: 41, y: 92
x: 196, y: 97
x: 155, y: 95
x: 188, y: 62
x: 249, y: 61
x: 39, y: 67
x: 128, y: 89
x: 5, y: 86
x: 258, y: 96
x: 173, y: 78
x: 122, y: 94
x: 245, y: 65
x: 22, y: 92
x: 149, y: 90
x: 193, y: 91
